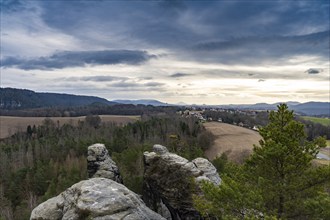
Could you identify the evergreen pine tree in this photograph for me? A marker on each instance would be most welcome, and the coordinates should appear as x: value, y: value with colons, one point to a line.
x: 281, y: 167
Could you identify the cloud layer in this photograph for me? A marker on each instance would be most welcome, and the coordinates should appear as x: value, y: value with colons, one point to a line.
x: 191, y: 51
x: 66, y: 59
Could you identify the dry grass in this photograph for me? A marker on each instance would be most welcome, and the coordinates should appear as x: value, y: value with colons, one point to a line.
x: 10, y: 125
x: 235, y: 141
x: 318, y: 162
x: 325, y: 151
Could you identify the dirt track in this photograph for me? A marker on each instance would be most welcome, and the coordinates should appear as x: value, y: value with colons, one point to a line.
x: 10, y: 125
x: 236, y: 141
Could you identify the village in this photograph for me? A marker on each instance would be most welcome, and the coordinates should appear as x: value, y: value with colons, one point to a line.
x: 230, y: 116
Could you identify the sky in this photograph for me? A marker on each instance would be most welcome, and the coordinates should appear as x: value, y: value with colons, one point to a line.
x: 197, y: 52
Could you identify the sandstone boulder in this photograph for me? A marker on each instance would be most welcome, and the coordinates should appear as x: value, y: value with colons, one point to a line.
x: 100, y: 164
x: 96, y: 198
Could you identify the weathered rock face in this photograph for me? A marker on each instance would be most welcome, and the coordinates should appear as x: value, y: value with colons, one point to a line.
x: 210, y: 173
x: 100, y: 164
x: 96, y: 198
x: 171, y: 180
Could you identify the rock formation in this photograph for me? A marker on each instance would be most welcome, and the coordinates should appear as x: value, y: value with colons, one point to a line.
x: 96, y: 198
x: 100, y: 164
x: 170, y: 181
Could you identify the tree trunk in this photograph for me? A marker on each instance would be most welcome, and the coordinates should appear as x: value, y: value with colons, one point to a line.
x: 280, y: 206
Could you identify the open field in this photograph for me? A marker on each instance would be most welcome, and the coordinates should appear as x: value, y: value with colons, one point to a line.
x: 237, y: 142
x: 328, y: 143
x: 234, y: 140
x: 10, y: 125
x: 323, y: 121
x: 325, y: 151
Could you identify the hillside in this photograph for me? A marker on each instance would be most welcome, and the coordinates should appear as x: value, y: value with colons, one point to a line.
x: 142, y: 102
x: 23, y: 99
x: 237, y: 142
x: 322, y: 121
x: 233, y: 140
x: 313, y: 108
x: 308, y: 108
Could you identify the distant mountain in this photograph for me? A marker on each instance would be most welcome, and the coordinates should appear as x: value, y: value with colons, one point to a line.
x: 313, y: 108
x: 11, y: 98
x: 308, y: 108
x: 142, y: 102
x: 292, y: 103
x: 257, y: 106
x: 181, y: 104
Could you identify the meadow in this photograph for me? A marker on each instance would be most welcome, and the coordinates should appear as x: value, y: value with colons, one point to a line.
x: 10, y: 125
x: 322, y: 121
x: 237, y: 142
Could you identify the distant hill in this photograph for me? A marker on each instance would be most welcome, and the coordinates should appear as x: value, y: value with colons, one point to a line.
x: 181, y: 104
x: 308, y: 108
x: 142, y: 102
x: 11, y: 98
x: 257, y: 106
x: 313, y: 108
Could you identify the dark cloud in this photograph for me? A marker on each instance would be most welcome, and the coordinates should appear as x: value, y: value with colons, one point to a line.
x: 125, y: 84
x: 226, y: 30
x: 97, y: 78
x: 153, y: 84
x: 258, y: 49
x: 177, y: 5
x: 314, y: 71
x: 66, y: 59
x: 146, y: 78
x: 316, y: 39
x: 134, y: 84
x: 178, y: 75
x: 102, y: 78
x: 12, y: 6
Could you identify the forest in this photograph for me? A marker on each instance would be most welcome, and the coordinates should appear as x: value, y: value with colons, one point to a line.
x: 41, y: 162
x: 278, y: 181
x: 91, y: 109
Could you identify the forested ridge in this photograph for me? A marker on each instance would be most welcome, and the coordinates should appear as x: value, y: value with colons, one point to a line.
x: 93, y: 109
x: 23, y: 99
x: 43, y: 161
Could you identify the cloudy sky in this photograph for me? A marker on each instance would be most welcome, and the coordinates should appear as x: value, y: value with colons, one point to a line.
x: 212, y: 52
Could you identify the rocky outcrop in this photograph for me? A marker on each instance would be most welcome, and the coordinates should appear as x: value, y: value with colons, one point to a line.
x: 171, y: 180
x: 96, y: 198
x: 100, y: 164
